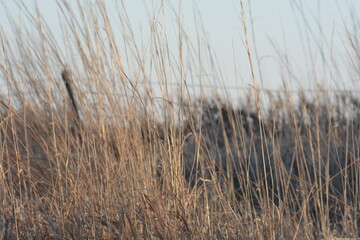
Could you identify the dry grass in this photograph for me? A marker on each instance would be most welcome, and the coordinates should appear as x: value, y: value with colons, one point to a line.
x: 89, y: 153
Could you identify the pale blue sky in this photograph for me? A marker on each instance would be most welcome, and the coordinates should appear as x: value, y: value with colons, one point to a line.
x: 300, y: 35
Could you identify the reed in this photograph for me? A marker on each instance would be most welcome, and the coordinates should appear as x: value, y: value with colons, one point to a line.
x: 90, y: 150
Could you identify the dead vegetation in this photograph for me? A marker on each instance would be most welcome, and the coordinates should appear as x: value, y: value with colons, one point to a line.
x: 98, y: 157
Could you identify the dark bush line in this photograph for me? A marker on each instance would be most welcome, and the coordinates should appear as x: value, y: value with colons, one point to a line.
x: 309, y: 144
x: 295, y: 150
